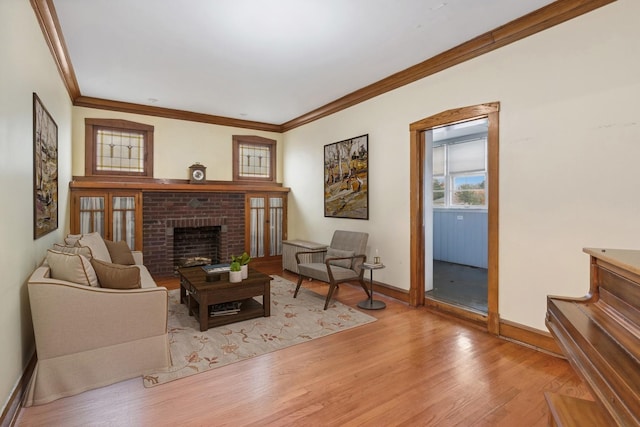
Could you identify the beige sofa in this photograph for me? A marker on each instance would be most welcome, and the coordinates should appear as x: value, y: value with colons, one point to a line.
x: 88, y: 337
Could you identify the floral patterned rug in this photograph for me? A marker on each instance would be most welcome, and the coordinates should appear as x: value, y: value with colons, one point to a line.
x: 292, y: 321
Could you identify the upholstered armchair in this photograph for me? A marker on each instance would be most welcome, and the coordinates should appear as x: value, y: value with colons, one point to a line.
x: 342, y: 262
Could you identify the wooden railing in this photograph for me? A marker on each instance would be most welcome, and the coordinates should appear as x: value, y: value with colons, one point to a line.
x: 600, y: 336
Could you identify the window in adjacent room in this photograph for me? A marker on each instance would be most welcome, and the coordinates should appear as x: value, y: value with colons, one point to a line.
x: 118, y: 147
x: 254, y: 158
x: 460, y: 166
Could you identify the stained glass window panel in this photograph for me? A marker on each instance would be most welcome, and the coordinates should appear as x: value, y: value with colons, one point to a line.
x: 120, y: 150
x: 255, y: 161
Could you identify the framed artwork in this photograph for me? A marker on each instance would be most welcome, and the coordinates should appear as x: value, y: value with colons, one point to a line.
x: 346, y: 183
x: 45, y: 170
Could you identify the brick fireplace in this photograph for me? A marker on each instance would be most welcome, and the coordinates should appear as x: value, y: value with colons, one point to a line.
x: 200, y: 224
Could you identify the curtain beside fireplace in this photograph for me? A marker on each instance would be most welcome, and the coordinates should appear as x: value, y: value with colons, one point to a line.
x: 93, y: 214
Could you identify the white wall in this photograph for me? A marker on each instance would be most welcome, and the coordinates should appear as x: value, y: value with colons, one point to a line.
x: 177, y: 144
x: 27, y: 67
x: 569, y: 147
x: 569, y: 150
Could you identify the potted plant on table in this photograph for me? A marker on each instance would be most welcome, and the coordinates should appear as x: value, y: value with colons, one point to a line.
x: 243, y: 260
x: 235, y: 273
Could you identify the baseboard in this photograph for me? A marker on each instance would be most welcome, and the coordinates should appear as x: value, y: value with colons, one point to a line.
x: 11, y: 411
x: 535, y: 338
x: 390, y: 291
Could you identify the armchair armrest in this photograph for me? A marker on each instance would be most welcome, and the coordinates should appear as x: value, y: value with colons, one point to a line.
x: 316, y: 251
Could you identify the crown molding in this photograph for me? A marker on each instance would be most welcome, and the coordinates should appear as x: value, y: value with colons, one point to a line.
x: 48, y: 20
x: 169, y: 113
x: 534, y: 22
x: 546, y: 17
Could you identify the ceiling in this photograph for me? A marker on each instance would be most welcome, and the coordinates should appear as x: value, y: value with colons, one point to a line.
x: 258, y: 60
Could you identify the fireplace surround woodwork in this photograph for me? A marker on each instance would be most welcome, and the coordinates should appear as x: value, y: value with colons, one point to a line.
x: 167, y: 205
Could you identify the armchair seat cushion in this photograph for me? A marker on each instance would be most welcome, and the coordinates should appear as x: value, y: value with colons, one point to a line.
x: 318, y: 270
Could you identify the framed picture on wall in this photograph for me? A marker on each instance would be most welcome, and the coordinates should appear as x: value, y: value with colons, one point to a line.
x: 45, y: 170
x: 346, y: 183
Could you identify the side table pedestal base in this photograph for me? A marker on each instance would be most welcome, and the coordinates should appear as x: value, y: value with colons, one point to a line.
x: 371, y: 305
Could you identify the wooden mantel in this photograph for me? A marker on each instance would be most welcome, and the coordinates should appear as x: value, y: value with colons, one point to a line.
x: 157, y: 185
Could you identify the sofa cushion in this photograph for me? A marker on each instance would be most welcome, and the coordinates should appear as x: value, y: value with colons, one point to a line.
x: 81, y: 250
x: 338, y: 253
x: 74, y: 268
x: 97, y: 245
x: 116, y: 276
x: 119, y: 252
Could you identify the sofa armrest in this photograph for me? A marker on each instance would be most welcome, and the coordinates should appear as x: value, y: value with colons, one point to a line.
x: 70, y: 318
x: 137, y: 257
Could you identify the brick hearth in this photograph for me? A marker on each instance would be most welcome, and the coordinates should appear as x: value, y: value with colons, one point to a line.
x: 162, y: 212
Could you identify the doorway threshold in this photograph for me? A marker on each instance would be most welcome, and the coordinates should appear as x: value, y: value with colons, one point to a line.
x: 457, y: 311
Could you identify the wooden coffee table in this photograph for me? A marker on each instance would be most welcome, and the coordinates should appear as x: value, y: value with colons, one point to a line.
x: 198, y: 295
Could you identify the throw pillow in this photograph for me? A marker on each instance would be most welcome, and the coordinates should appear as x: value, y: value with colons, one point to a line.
x: 120, y: 252
x: 74, y: 268
x: 338, y: 253
x: 81, y: 250
x: 72, y: 239
x: 115, y: 276
x: 97, y: 245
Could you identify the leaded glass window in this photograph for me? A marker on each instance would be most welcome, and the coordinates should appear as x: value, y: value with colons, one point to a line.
x: 254, y: 158
x: 118, y: 147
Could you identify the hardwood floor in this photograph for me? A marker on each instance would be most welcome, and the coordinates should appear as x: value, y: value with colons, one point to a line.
x: 412, y: 367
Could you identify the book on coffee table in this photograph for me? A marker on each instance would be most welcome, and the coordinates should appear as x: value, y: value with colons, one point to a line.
x: 216, y: 268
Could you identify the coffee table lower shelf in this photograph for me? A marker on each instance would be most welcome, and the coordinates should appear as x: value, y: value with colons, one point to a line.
x: 249, y: 309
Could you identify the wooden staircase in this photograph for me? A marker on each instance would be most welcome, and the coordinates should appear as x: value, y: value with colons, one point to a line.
x: 600, y: 336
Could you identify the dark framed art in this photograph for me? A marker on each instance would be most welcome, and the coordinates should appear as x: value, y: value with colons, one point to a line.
x: 45, y: 170
x: 346, y: 178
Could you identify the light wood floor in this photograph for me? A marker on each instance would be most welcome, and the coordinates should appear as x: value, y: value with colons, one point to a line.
x: 411, y: 368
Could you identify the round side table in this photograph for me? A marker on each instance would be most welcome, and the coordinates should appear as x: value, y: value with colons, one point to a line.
x: 371, y: 304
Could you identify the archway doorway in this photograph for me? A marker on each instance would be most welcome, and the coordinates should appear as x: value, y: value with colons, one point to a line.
x: 421, y: 232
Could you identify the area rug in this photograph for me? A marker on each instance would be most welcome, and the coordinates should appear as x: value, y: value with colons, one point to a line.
x: 292, y: 321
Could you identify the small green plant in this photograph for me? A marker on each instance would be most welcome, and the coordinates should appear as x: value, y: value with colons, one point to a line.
x: 242, y: 259
x: 234, y: 266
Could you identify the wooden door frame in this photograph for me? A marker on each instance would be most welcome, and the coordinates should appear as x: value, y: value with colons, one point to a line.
x: 418, y: 156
